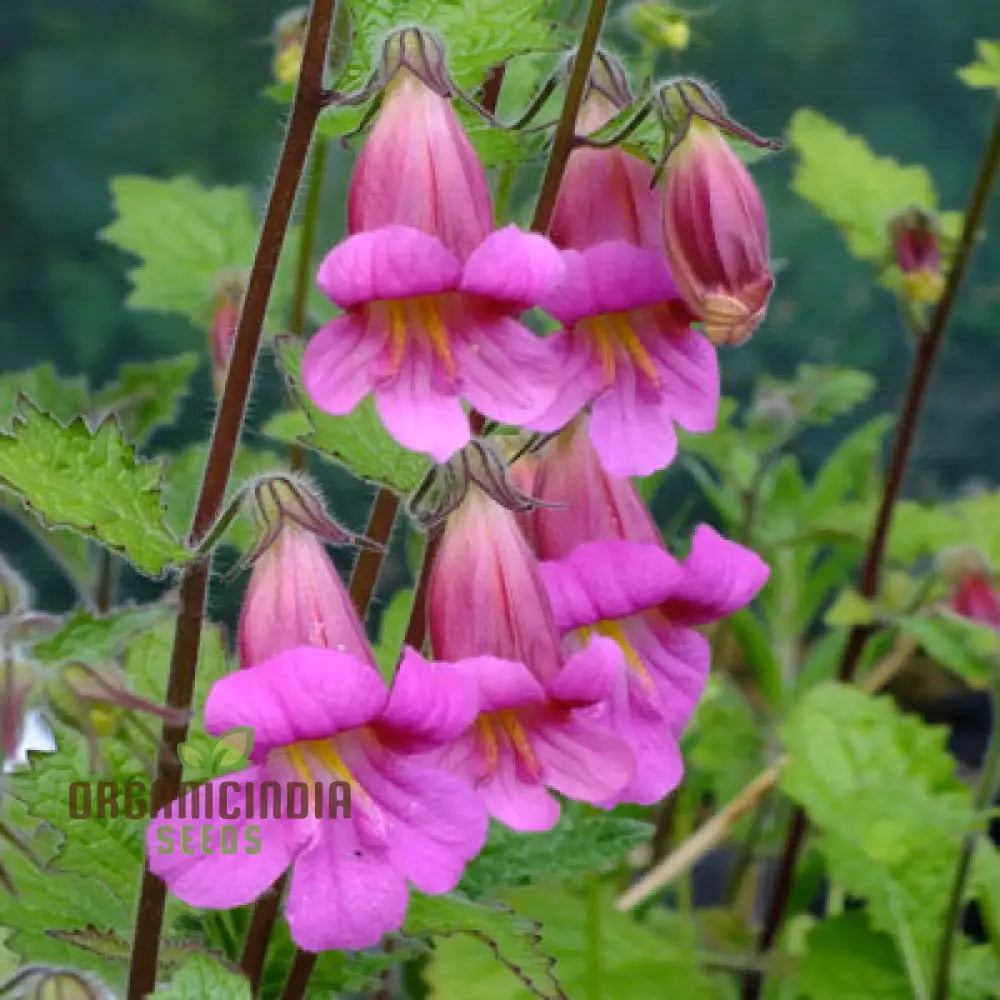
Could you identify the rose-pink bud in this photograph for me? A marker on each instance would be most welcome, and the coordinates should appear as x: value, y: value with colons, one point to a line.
x: 716, y: 235
x: 974, y: 594
x: 917, y: 250
x: 486, y: 596
x: 228, y: 298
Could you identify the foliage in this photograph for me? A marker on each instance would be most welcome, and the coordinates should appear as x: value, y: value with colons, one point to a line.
x: 984, y: 73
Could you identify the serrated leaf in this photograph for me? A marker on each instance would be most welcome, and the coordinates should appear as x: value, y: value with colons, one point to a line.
x: 512, y: 939
x: 93, y: 482
x: 575, y: 845
x: 880, y: 787
x: 984, y: 73
x: 185, y: 235
x: 965, y: 647
x: 63, y: 397
x: 357, y: 440
x: 147, y: 396
x: 636, y: 962
x: 94, y: 639
x: 853, y: 187
x: 846, y: 960
x: 206, y: 978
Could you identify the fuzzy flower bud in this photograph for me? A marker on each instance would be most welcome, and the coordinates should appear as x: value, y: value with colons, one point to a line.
x: 40, y: 982
x: 917, y: 250
x: 714, y: 224
x: 974, y: 594
x: 295, y: 596
x: 289, y: 39
x: 228, y: 299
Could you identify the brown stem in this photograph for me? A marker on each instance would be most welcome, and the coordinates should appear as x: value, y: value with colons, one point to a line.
x: 927, y: 351
x: 369, y: 561
x: 562, y: 143
x: 298, y: 979
x: 491, y: 89
x: 306, y: 107
x: 265, y: 914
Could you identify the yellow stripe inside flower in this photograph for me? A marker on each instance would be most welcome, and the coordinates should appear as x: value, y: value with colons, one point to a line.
x: 302, y: 754
x: 613, y: 630
x: 611, y: 329
x: 490, y: 726
x: 418, y: 317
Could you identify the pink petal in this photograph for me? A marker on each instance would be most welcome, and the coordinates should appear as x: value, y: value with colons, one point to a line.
x: 590, y: 674
x: 581, y: 757
x: 344, y: 892
x: 608, y: 580
x: 631, y: 427
x: 514, y: 267
x: 429, y: 703
x: 513, y: 798
x: 507, y: 372
x: 502, y: 683
x: 301, y: 694
x: 433, y: 821
x: 580, y: 379
x: 178, y: 854
x: 419, y: 409
x: 394, y: 262
x: 688, y: 366
x: 338, y: 367
x: 718, y: 578
x: 608, y: 278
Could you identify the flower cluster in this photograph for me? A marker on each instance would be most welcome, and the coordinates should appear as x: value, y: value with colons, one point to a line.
x: 566, y: 657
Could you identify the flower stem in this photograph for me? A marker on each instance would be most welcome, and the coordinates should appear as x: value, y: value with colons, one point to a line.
x: 985, y: 791
x: 562, y: 142
x: 309, y: 101
x: 369, y: 561
x: 592, y: 936
x: 926, y: 354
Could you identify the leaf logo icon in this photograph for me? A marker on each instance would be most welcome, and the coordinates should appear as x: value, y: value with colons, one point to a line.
x: 205, y: 757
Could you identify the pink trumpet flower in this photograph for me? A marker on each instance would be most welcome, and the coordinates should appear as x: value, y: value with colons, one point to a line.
x: 429, y: 291
x: 649, y: 606
x: 537, y: 727
x: 716, y: 234
x: 626, y: 347
x: 371, y: 812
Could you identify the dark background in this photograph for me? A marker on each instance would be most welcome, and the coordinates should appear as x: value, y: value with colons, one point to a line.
x: 93, y: 89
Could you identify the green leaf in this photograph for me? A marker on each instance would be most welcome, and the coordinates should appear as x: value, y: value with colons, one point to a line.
x: 357, y: 440
x: 206, y: 978
x: 855, y: 189
x: 91, y: 481
x: 95, y: 639
x: 984, y: 73
x: 880, y: 787
x: 64, y: 398
x: 575, y: 845
x: 147, y: 396
x: 986, y: 887
x: 850, y: 608
x: 975, y: 973
x: 392, y: 632
x: 756, y: 646
x: 636, y: 962
x: 185, y: 235
x: 965, y: 647
x: 846, y: 960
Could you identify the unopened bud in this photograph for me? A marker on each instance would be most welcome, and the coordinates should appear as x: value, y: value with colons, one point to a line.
x: 608, y: 77
x: 229, y: 290
x: 660, y: 24
x: 917, y: 250
x: 973, y: 592
x: 422, y: 53
x: 39, y: 982
x: 289, y: 41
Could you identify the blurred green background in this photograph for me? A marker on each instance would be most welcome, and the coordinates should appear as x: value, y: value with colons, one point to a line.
x: 168, y: 87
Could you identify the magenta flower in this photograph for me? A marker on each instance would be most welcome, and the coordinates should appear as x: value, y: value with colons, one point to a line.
x: 583, y: 502
x: 537, y: 727
x: 430, y: 293
x: 649, y: 605
x: 973, y: 591
x: 716, y: 235
x: 626, y: 345
x: 320, y: 716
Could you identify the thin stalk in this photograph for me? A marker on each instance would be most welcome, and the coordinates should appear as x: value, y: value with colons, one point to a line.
x: 592, y: 937
x: 369, y: 561
x: 308, y: 102
x: 927, y: 350
x: 107, y: 578
x: 562, y: 142
x: 262, y: 921
x: 986, y: 790
x: 298, y: 979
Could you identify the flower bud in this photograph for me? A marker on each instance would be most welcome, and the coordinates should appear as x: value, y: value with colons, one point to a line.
x: 16, y: 683
x: 228, y: 300
x: 420, y: 52
x: 916, y: 248
x: 289, y: 41
x: 974, y: 594
x: 715, y: 228
x: 39, y: 982
x: 295, y: 596
x: 660, y: 25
